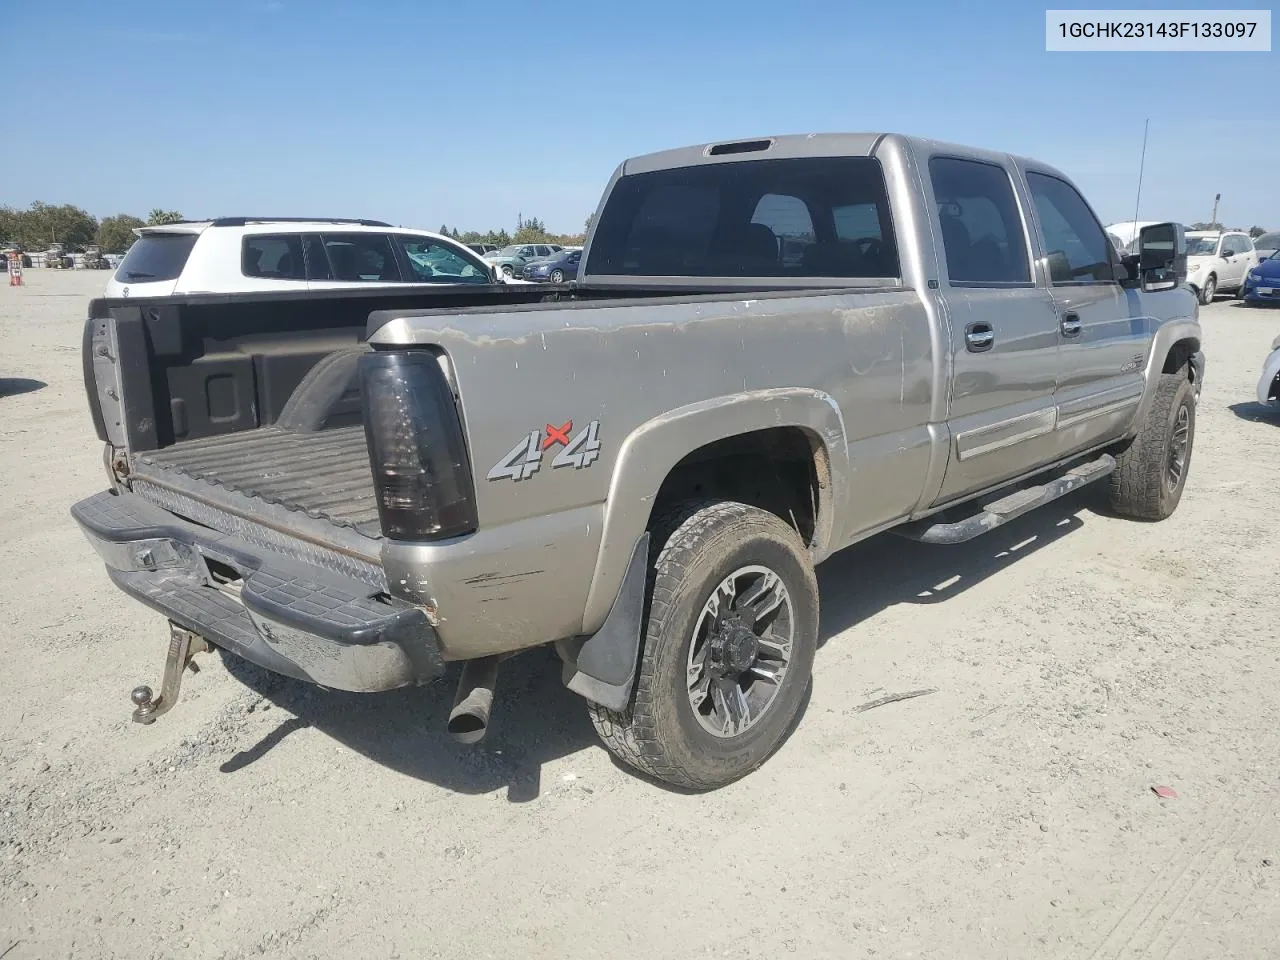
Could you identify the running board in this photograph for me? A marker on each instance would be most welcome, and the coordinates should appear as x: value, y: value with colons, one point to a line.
x: 1007, y: 508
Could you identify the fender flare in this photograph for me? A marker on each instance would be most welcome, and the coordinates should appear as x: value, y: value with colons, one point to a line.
x: 650, y: 452
x: 1167, y: 334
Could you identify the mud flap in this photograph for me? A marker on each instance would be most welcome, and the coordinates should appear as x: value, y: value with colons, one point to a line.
x: 604, y: 668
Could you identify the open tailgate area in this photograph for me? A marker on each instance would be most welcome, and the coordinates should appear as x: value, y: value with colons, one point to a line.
x: 324, y: 475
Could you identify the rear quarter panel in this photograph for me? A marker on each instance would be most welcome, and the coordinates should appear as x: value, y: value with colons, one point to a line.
x: 661, y: 378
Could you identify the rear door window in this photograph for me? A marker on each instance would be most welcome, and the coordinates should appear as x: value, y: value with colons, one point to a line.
x: 273, y: 256
x: 758, y: 218
x: 362, y: 257
x: 156, y: 256
x: 982, y: 232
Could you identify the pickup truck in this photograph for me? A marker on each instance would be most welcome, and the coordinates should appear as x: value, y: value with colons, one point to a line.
x: 776, y: 348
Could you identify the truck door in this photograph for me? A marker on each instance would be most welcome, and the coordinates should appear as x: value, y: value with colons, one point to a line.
x: 1103, y: 334
x: 1004, y: 331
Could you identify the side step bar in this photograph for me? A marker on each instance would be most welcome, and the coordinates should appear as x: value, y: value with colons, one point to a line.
x: 1009, y: 507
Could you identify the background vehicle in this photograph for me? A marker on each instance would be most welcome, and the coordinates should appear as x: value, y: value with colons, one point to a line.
x: 642, y: 469
x: 510, y: 260
x: 1269, y: 382
x: 92, y: 258
x: 1126, y: 233
x: 555, y: 269
x: 1262, y: 283
x: 1218, y: 262
x: 57, y: 258
x: 1267, y: 244
x: 248, y: 254
x: 483, y: 248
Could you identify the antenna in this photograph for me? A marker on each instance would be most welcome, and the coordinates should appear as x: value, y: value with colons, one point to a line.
x: 1142, y: 164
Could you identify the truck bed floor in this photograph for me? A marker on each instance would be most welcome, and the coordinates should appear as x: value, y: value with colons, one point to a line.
x: 323, y: 474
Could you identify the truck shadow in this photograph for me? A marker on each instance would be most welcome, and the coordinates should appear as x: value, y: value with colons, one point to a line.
x: 1256, y: 412
x: 887, y: 570
x: 537, y: 721
x: 16, y: 386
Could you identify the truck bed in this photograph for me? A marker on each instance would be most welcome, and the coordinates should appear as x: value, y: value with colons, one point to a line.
x: 324, y: 475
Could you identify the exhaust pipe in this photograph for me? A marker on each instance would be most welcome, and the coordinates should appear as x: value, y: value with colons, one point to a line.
x: 469, y: 718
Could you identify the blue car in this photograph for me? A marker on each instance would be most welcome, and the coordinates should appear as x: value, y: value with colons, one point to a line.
x: 1262, y: 283
x: 557, y: 269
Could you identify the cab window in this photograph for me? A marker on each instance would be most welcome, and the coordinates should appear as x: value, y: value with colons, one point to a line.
x: 1075, y: 243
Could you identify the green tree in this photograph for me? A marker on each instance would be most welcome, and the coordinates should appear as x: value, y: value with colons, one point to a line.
x: 157, y: 217
x: 45, y: 223
x: 532, y: 230
x: 1254, y: 232
x: 115, y: 234
x: 586, y: 227
x: 1202, y: 225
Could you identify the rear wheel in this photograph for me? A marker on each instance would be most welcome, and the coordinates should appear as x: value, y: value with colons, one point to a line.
x: 1208, y: 290
x: 728, y: 649
x: 1151, y: 473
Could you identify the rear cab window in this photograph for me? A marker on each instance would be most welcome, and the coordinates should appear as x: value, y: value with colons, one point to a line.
x: 785, y: 218
x: 156, y: 256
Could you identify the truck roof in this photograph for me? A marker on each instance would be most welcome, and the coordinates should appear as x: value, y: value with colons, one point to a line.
x: 787, y: 146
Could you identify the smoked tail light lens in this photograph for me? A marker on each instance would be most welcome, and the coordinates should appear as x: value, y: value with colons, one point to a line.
x: 421, y: 472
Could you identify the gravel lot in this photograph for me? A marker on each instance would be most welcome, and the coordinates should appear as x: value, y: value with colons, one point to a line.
x: 1079, y: 660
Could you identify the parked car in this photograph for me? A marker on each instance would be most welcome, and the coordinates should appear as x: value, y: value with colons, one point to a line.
x: 1269, y: 382
x: 1262, y: 284
x: 1218, y: 262
x: 510, y: 260
x: 236, y: 254
x: 645, y: 477
x: 483, y: 248
x: 557, y: 269
x: 1267, y: 244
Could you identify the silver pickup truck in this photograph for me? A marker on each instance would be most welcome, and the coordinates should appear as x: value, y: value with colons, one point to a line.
x: 777, y: 348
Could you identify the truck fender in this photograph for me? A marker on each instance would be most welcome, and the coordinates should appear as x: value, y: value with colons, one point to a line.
x: 1167, y: 335
x: 650, y: 452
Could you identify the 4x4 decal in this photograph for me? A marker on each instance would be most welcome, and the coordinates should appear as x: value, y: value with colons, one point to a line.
x: 525, y: 458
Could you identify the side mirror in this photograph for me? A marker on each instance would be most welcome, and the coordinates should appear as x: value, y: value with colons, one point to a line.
x: 1162, y: 256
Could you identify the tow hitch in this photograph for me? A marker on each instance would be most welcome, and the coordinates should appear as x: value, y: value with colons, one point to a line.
x: 183, y: 646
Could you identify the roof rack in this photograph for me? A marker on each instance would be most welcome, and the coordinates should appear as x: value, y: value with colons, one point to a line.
x: 241, y: 221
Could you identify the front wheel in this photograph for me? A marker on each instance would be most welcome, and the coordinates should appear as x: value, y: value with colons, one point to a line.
x: 1208, y: 290
x: 1151, y: 473
x: 507, y: 271
x: 557, y: 276
x: 728, y: 649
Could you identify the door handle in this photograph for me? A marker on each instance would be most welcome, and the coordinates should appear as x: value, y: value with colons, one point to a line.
x: 979, y: 337
x: 1071, y: 325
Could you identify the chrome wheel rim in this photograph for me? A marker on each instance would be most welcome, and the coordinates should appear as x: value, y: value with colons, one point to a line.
x: 740, y: 651
x: 1178, y: 444
x: 1210, y: 288
x: 557, y: 276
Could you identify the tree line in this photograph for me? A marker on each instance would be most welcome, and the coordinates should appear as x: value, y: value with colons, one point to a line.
x: 42, y: 224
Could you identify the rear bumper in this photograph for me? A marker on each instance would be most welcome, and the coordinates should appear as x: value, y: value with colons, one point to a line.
x: 280, y: 613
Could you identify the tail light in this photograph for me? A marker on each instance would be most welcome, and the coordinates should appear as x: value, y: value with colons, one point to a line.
x: 421, y: 473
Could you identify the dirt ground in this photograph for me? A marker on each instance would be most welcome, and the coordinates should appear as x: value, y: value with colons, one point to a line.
x: 1079, y: 660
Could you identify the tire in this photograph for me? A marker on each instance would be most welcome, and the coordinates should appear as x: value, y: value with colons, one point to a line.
x: 557, y: 276
x: 662, y: 733
x: 1143, y: 484
x: 507, y: 271
x: 1208, y: 290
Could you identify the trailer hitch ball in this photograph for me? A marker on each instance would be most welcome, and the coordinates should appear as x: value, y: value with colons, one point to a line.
x: 183, y: 646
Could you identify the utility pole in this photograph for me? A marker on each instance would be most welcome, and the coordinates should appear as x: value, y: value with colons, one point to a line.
x: 1214, y: 218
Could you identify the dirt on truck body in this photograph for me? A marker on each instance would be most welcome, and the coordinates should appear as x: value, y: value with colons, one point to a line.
x: 778, y: 347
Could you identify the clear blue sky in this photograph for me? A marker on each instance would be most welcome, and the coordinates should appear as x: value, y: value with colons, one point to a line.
x: 467, y: 113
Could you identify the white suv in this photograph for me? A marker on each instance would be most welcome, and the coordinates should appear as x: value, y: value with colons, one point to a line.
x: 1218, y: 262
x: 242, y: 254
